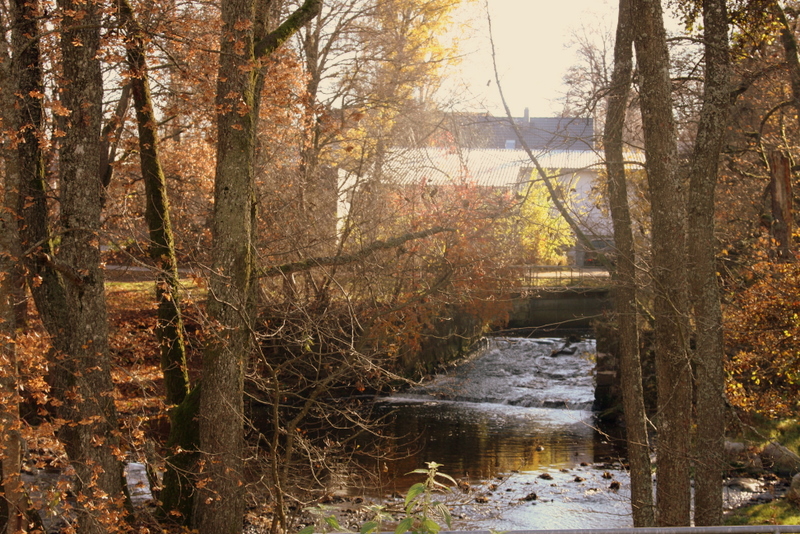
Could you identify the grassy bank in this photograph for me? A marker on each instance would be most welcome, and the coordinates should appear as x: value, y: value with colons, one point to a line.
x: 779, y: 512
x: 760, y: 431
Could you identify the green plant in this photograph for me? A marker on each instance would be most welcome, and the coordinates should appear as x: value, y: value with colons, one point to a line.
x: 323, y: 520
x: 422, y: 512
x: 779, y: 512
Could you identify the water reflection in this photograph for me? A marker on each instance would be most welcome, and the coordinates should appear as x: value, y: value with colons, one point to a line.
x: 514, y: 422
x: 480, y: 441
x: 494, y: 415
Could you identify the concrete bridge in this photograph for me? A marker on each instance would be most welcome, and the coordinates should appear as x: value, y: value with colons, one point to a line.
x: 557, y: 299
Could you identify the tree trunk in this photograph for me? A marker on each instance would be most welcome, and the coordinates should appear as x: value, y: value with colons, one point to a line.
x: 13, y: 505
x: 780, y: 192
x: 169, y: 328
x: 179, y: 481
x: 15, y: 270
x: 625, y: 276
x: 220, y: 502
x: 29, y: 166
x: 708, y: 356
x: 82, y: 375
x: 790, y: 50
x: 668, y: 214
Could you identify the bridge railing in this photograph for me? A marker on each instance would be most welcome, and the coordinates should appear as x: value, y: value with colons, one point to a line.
x: 745, y: 529
x: 533, y: 276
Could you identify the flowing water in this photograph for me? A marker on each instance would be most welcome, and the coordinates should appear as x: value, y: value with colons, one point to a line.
x: 514, y: 426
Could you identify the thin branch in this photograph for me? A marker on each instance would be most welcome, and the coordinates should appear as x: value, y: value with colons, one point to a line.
x: 311, y: 263
x: 562, y: 209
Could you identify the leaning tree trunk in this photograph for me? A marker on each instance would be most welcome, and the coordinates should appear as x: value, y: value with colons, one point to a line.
x: 82, y: 374
x: 625, y: 276
x: 177, y: 493
x: 169, y: 327
x: 671, y: 299
x: 709, y: 351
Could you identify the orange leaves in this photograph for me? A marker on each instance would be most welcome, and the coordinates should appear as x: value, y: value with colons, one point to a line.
x: 59, y: 109
x: 242, y: 108
x: 243, y: 25
x: 763, y: 326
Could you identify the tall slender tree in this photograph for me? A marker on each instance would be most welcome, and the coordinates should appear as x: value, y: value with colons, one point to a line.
x: 708, y: 356
x: 13, y: 503
x: 161, y: 248
x: 625, y: 274
x: 669, y: 216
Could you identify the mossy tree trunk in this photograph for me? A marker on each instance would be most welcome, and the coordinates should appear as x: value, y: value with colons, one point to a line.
x: 177, y: 494
x: 169, y: 328
x: 220, y: 502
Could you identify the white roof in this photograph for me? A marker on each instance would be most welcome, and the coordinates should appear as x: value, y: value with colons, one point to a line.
x: 483, y: 167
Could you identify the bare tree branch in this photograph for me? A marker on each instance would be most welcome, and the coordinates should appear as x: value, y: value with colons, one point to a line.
x: 310, y: 263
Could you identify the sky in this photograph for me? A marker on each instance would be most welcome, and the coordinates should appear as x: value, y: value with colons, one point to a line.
x: 532, y: 42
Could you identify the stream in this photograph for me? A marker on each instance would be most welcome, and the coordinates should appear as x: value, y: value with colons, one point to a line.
x: 514, y: 426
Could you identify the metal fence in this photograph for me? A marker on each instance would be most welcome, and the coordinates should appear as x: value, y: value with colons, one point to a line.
x: 748, y: 529
x: 533, y: 276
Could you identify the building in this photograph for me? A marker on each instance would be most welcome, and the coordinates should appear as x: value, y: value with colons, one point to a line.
x: 486, y: 152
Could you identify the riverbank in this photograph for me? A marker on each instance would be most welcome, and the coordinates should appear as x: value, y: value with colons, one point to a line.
x: 559, y: 499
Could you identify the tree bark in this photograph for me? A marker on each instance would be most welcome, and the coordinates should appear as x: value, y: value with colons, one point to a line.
x: 671, y: 306
x: 790, y: 50
x: 29, y: 166
x: 625, y: 276
x: 72, y: 308
x: 708, y: 356
x: 220, y: 502
x: 780, y: 192
x: 81, y: 374
x: 13, y: 504
x: 169, y: 327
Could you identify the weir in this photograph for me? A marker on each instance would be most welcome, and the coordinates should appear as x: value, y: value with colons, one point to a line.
x: 554, y: 299
x: 545, y: 310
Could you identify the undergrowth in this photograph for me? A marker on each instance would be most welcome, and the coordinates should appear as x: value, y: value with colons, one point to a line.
x: 779, y: 512
x: 422, y: 513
